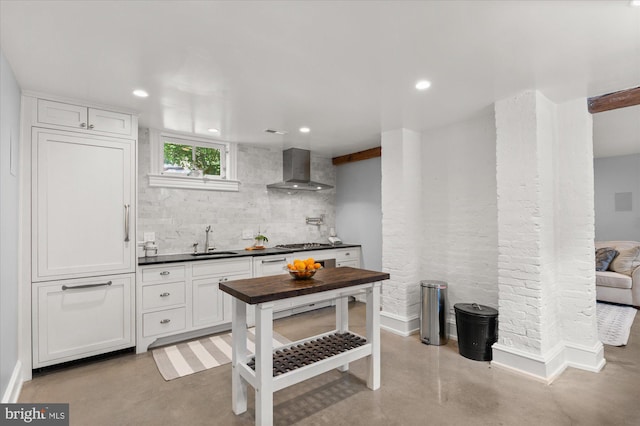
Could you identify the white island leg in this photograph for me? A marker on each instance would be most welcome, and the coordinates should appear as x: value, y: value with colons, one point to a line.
x: 239, y: 355
x: 342, y: 321
x: 373, y: 335
x: 264, y: 364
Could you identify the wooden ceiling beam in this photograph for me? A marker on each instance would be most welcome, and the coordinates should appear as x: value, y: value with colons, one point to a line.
x: 615, y: 100
x: 358, y: 156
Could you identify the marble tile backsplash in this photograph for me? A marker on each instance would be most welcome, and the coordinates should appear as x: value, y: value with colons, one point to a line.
x: 179, y: 216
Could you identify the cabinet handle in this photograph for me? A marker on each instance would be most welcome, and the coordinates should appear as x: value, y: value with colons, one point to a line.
x: 66, y: 287
x: 275, y: 260
x: 165, y: 321
x: 223, y: 279
x: 165, y: 273
x: 83, y: 125
x: 91, y: 126
x: 126, y: 223
x: 165, y: 294
x: 347, y: 254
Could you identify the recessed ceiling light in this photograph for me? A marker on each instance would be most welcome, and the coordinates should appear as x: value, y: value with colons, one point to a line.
x: 213, y: 130
x: 275, y: 132
x: 634, y: 3
x: 140, y: 93
x: 305, y: 129
x: 423, y: 85
x: 295, y: 186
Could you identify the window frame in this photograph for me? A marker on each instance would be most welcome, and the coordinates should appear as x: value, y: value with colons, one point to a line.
x: 158, y: 177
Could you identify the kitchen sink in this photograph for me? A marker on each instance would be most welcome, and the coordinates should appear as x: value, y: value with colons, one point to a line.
x: 214, y: 253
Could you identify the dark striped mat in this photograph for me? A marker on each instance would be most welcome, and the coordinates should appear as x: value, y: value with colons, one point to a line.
x: 199, y: 355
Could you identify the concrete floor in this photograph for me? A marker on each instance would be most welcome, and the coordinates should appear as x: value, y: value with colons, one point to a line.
x: 421, y: 384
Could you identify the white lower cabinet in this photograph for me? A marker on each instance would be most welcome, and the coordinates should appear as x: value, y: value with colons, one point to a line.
x: 208, y: 302
x: 78, y: 318
x: 185, y: 298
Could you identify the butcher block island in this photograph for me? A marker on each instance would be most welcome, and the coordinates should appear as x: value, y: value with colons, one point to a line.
x: 273, y: 369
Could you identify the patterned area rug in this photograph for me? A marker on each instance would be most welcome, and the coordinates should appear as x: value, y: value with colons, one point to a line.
x: 614, y: 323
x: 198, y: 355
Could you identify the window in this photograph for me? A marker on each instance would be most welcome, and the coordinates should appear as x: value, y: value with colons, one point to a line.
x: 186, y: 161
x: 193, y: 158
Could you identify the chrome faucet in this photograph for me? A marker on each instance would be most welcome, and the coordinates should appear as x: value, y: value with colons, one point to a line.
x: 207, y: 249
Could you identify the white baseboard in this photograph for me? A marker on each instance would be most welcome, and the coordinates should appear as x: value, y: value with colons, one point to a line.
x: 400, y: 325
x: 14, y: 387
x: 585, y: 358
x: 546, y: 368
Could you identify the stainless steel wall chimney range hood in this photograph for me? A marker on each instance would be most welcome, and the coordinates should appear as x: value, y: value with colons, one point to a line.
x: 296, y: 172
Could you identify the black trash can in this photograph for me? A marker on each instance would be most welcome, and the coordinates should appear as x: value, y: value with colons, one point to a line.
x: 477, y: 327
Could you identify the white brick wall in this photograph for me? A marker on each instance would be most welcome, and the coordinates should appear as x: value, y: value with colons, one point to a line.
x: 459, y: 210
x: 575, y: 227
x: 401, y: 221
x: 525, y: 140
x: 179, y: 216
x: 545, y: 217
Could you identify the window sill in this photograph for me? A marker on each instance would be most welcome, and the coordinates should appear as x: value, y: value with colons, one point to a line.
x: 189, y: 182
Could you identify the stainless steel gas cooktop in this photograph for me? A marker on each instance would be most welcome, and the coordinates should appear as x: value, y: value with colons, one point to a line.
x: 303, y: 246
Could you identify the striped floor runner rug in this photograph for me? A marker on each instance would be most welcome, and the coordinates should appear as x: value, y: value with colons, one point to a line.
x: 198, y: 355
x: 614, y: 323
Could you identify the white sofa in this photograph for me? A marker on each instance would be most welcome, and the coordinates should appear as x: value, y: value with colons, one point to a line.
x: 614, y: 287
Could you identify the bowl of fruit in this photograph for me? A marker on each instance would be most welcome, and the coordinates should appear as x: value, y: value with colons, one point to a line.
x: 303, y: 269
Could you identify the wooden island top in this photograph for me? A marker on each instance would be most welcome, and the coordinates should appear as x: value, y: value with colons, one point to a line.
x: 276, y: 287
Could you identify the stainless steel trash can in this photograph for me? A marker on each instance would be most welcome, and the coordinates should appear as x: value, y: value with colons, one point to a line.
x: 433, y: 313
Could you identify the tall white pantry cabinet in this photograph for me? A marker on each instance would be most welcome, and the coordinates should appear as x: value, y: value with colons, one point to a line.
x: 83, y: 229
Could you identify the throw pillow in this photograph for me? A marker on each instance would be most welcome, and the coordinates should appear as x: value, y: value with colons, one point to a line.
x: 604, y: 256
x: 626, y: 261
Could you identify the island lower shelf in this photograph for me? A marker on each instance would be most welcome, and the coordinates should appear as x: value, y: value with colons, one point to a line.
x: 303, y: 359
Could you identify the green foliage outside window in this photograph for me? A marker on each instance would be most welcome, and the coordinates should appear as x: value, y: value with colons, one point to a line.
x: 190, y: 158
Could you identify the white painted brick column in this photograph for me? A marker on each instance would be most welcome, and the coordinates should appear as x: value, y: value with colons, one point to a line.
x: 575, y: 237
x: 538, y: 258
x: 401, y: 229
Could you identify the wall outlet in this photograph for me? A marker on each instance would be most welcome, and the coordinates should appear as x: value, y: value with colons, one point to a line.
x: 247, y: 234
x: 149, y: 236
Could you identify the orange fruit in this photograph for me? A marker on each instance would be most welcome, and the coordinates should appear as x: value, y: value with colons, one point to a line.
x: 317, y: 266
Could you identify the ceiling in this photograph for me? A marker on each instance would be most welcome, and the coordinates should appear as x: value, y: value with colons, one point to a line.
x: 346, y: 70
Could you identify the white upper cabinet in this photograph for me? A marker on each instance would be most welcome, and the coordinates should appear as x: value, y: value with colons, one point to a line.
x: 82, y: 205
x: 83, y: 118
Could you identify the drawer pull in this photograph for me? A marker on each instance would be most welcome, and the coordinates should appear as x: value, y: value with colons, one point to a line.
x: 275, y: 260
x: 165, y: 294
x: 165, y: 273
x: 165, y: 321
x: 223, y: 279
x: 347, y: 254
x: 65, y: 287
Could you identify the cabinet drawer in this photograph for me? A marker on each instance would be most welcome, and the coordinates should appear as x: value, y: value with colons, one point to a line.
x: 222, y: 267
x: 160, y: 274
x: 351, y: 263
x: 166, y: 321
x: 161, y: 295
x: 77, y: 318
x: 344, y: 255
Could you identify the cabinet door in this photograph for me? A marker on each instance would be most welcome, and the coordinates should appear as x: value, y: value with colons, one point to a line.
x: 79, y: 318
x: 208, y: 307
x: 83, y: 205
x: 62, y: 114
x: 109, y: 121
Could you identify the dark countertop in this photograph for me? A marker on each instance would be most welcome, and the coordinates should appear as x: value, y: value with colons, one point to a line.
x: 277, y: 287
x: 188, y: 257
